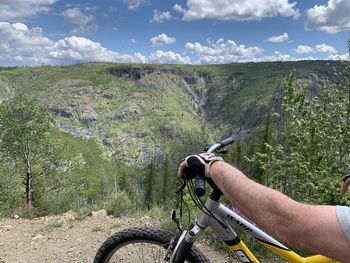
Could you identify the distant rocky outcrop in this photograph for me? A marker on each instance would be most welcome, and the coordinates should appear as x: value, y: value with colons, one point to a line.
x: 6, y: 92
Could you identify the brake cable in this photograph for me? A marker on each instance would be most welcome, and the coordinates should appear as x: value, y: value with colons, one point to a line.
x: 180, y: 192
x: 198, y: 202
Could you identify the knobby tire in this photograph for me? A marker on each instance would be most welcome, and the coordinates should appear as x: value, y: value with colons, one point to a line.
x: 130, y: 245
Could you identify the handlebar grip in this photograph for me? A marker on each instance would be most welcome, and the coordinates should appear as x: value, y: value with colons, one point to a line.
x: 199, y: 186
x: 226, y: 141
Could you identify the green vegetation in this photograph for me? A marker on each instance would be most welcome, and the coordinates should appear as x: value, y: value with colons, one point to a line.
x: 97, y: 228
x: 103, y: 135
x: 114, y: 133
x: 52, y: 226
x: 25, y: 125
x: 303, y: 147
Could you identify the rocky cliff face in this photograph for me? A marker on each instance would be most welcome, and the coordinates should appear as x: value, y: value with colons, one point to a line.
x: 134, y: 118
x: 139, y: 113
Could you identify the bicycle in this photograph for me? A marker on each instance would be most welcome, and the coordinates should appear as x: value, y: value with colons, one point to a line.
x: 130, y: 245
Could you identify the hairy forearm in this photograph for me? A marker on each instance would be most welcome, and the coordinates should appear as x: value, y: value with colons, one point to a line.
x: 300, y: 225
x: 267, y: 207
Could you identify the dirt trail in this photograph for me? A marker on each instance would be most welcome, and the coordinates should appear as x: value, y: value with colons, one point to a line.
x: 65, y: 239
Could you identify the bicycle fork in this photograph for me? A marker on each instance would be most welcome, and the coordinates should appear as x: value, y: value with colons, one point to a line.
x: 184, y: 244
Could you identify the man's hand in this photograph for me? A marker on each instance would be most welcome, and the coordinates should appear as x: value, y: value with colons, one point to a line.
x: 197, y: 165
x: 345, y: 184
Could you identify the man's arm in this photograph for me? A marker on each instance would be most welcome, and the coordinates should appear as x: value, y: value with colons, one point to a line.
x: 310, y: 227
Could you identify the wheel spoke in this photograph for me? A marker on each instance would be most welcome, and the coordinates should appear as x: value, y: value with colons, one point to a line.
x: 137, y: 252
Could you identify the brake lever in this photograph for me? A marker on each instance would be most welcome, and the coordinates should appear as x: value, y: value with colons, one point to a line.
x: 181, y: 188
x: 176, y: 220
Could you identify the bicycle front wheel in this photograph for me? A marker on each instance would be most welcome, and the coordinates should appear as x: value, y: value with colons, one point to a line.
x: 140, y: 245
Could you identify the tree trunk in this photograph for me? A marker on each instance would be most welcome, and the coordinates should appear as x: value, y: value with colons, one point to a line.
x: 28, y: 181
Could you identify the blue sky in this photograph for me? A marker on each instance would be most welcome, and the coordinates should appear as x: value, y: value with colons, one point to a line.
x: 42, y: 32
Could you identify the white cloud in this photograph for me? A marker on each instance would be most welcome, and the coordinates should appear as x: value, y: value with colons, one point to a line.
x: 321, y: 48
x: 81, y: 21
x: 278, y: 39
x: 134, y: 4
x: 18, y: 9
x: 20, y: 45
x: 237, y: 10
x: 220, y: 52
x: 160, y: 17
x: 20, y: 26
x: 75, y: 16
x: 179, y: 8
x: 332, y: 18
x: 169, y: 57
x: 279, y: 56
x: 339, y: 57
x: 76, y: 49
x: 302, y: 49
x: 81, y: 30
x: 162, y: 39
x: 139, y: 58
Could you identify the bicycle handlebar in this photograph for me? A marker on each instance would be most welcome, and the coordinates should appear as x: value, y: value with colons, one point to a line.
x: 217, y: 146
x: 199, y: 182
x: 226, y: 141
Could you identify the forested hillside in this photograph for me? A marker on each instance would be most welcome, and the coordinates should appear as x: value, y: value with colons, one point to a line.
x: 110, y: 135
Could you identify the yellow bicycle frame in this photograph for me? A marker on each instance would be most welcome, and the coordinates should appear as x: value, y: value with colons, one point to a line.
x: 243, y: 253
x: 216, y: 215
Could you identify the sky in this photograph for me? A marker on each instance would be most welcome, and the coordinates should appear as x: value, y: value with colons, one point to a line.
x: 59, y: 32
